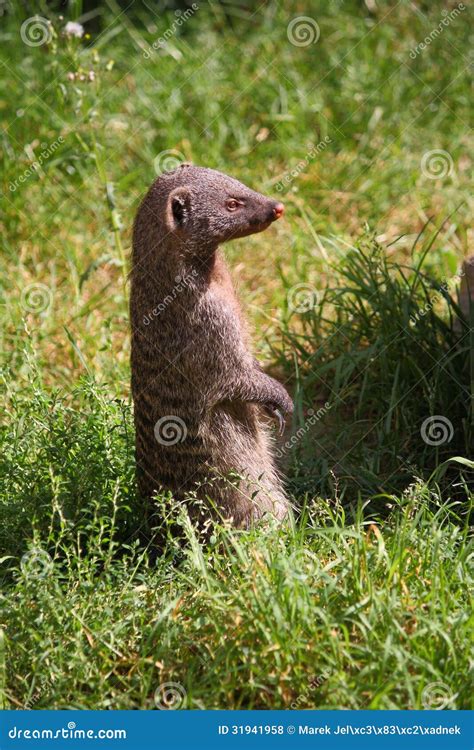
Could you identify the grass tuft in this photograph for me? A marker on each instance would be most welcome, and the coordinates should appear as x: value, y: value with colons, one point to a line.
x: 382, y: 352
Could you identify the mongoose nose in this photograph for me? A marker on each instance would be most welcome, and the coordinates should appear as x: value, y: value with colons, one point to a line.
x: 278, y: 210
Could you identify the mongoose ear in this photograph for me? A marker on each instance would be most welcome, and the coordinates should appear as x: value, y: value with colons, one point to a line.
x: 179, y: 207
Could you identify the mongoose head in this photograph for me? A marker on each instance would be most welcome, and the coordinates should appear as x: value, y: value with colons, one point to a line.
x: 204, y: 207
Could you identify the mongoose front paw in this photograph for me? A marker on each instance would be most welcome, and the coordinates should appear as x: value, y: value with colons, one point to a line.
x: 274, y: 412
x: 284, y: 402
x: 278, y: 409
x: 289, y: 405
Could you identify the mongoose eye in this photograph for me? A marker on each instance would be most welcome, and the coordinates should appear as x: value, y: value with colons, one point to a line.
x: 232, y: 204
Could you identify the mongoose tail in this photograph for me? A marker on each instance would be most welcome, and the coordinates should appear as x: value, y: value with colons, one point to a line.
x: 199, y: 394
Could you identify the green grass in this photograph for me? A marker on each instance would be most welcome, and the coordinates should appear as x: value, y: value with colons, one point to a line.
x: 254, y: 619
x: 363, y: 599
x: 382, y: 350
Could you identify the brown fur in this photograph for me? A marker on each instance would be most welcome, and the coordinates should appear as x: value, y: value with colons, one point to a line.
x: 191, y: 360
x: 466, y: 292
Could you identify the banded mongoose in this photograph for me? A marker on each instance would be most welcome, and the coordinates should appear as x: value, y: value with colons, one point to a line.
x: 199, y: 395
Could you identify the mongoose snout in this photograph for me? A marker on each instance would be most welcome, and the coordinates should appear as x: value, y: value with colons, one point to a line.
x: 262, y: 218
x: 278, y: 210
x: 260, y: 222
x: 200, y: 397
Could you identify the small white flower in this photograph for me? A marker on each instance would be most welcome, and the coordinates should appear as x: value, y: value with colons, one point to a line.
x: 72, y: 28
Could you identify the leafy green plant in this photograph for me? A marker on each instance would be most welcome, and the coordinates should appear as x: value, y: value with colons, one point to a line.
x: 381, y: 350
